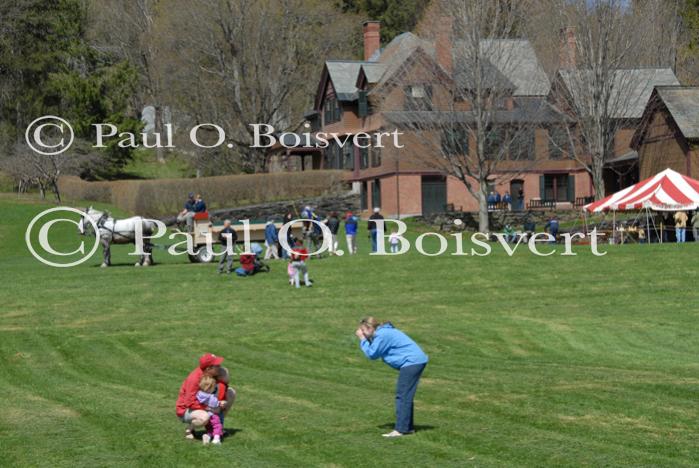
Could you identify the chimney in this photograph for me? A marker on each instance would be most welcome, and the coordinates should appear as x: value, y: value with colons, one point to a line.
x: 443, y: 43
x: 567, y: 58
x: 372, y: 38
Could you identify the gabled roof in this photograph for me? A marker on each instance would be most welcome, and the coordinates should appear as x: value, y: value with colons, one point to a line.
x: 343, y: 75
x: 373, y: 71
x: 630, y: 92
x: 527, y: 110
x: 683, y: 104
x: 516, y: 60
x: 399, y: 50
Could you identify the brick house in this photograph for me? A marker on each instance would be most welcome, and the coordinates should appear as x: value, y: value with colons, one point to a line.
x: 668, y: 135
x: 397, y: 179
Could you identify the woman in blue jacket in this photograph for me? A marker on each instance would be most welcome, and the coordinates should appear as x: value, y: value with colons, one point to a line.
x: 398, y: 350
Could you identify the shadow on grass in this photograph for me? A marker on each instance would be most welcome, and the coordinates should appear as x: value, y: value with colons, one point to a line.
x: 418, y: 427
x: 229, y: 432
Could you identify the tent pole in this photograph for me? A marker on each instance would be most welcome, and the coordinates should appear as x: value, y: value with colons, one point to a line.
x: 614, y: 226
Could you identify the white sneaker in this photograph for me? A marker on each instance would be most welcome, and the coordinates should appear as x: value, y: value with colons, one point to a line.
x: 205, y: 439
x: 189, y: 432
x: 217, y: 440
x: 393, y: 433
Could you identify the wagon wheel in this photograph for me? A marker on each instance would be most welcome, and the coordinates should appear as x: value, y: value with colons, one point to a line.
x: 202, y: 255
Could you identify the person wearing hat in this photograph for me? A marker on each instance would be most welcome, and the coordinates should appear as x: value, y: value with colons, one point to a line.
x: 271, y: 239
x: 371, y: 225
x: 188, y: 408
x: 187, y: 214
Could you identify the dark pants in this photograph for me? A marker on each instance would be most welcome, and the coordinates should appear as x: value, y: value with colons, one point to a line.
x: 406, y: 387
x: 374, y: 243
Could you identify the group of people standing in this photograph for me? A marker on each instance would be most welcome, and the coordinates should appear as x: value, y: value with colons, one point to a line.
x: 681, y: 219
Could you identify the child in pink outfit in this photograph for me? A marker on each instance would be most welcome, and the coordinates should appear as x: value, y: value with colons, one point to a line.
x: 206, y: 396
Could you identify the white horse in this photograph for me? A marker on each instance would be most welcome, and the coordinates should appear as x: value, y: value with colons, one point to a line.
x: 123, y: 231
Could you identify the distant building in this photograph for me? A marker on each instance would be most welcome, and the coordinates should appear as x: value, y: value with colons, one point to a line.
x: 668, y: 136
x: 361, y: 96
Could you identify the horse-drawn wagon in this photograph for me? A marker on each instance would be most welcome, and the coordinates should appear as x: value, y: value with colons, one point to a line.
x: 205, y: 233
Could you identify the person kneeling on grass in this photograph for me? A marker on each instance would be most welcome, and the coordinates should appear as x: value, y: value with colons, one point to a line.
x: 398, y: 350
x: 188, y: 409
x: 206, y: 396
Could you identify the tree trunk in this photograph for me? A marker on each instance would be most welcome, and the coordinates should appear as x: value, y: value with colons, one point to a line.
x: 56, y: 191
x: 483, y: 221
x: 598, y: 180
x: 158, y: 124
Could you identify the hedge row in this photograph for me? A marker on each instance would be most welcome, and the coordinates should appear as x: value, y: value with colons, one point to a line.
x: 161, y: 197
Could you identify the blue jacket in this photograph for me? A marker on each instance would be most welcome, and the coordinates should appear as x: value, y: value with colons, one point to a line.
x: 199, y: 206
x: 394, y: 347
x: 271, y: 234
x: 351, y: 225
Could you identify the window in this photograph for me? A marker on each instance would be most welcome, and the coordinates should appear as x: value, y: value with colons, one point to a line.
x: 558, y: 187
x: 332, y: 111
x: 375, y: 154
x: 455, y: 141
x: 522, y: 146
x: 348, y: 155
x: 363, y: 204
x: 559, y: 143
x: 363, y: 152
x: 376, y: 194
x: 333, y: 157
x: 362, y: 104
x: 418, y: 97
x: 493, y: 144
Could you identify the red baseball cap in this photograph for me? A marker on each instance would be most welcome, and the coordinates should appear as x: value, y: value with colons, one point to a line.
x: 208, y: 360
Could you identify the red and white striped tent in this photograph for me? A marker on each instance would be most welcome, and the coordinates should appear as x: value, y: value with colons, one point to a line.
x: 665, y: 191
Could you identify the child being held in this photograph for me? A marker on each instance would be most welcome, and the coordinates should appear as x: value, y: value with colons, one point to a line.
x: 207, y: 396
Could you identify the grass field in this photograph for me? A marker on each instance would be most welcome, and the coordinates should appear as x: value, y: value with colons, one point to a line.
x: 534, y: 361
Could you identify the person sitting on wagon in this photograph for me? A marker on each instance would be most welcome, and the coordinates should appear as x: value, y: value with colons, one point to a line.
x: 199, y: 205
x: 187, y: 214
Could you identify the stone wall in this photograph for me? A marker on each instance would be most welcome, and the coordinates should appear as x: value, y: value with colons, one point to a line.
x: 322, y: 206
x: 498, y: 219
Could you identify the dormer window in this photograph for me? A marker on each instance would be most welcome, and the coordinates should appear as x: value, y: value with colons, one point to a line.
x: 332, y: 111
x: 418, y: 97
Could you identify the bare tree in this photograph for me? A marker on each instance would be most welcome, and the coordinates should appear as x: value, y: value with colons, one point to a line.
x: 460, y: 109
x: 130, y: 28
x: 599, y: 84
x: 245, y: 61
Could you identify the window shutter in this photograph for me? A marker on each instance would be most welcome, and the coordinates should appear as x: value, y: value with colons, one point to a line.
x: 571, y: 188
x: 363, y: 109
x: 542, y: 187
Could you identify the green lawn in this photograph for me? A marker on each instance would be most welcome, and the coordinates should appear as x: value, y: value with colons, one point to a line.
x: 533, y: 361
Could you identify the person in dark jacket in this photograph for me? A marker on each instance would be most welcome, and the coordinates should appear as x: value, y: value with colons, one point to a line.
x: 395, y: 348
x: 333, y: 223
x: 288, y: 217
x: 199, y: 205
x: 187, y: 214
x: 552, y: 228
x: 271, y: 239
x: 227, y: 238
x: 373, y: 231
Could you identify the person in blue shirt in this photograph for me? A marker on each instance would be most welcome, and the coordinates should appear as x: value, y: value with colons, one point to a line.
x: 395, y: 348
x: 199, y: 205
x: 552, y: 227
x: 351, y: 223
x: 271, y: 239
x: 187, y: 213
x: 507, y: 200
